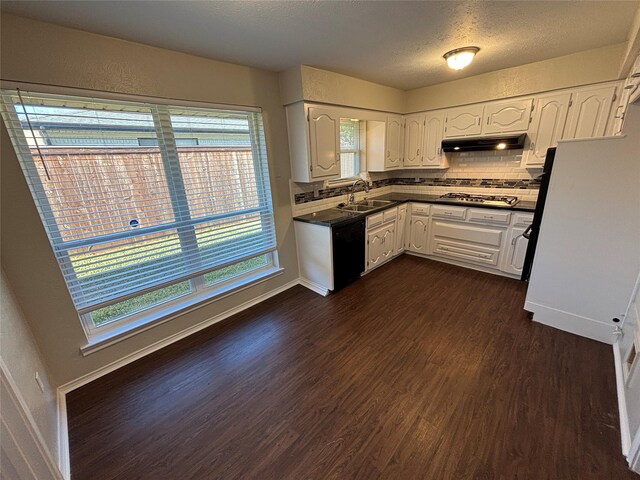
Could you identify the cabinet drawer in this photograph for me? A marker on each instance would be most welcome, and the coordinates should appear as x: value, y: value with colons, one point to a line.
x: 449, y: 212
x: 420, y: 208
x: 466, y: 252
x: 489, y: 216
x: 374, y: 220
x: 522, y: 219
x: 390, y: 214
x: 467, y: 233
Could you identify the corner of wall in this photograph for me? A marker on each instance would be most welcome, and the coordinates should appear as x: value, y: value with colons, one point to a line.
x: 29, y: 407
x: 290, y: 82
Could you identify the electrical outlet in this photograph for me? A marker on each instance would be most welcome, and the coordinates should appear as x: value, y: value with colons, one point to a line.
x: 39, y: 382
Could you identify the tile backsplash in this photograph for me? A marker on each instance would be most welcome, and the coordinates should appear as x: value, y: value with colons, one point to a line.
x: 490, y: 173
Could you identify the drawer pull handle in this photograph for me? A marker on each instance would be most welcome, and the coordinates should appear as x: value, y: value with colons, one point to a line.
x: 447, y: 213
x: 489, y: 217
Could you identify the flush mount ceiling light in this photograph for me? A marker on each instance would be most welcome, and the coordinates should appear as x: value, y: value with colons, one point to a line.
x: 460, y: 57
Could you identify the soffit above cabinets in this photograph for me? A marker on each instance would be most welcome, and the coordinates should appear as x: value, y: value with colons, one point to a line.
x: 399, y: 44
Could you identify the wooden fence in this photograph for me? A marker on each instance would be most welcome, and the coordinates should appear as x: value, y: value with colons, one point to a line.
x: 99, y: 191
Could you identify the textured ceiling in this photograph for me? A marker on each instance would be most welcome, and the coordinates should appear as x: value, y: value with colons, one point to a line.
x: 395, y: 43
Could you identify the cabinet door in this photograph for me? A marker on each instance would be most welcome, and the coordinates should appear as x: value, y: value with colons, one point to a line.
x: 388, y: 241
x: 374, y: 248
x: 506, y: 117
x: 413, y: 136
x: 418, y: 227
x: 549, y: 118
x: 433, y: 131
x: 394, y: 142
x: 589, y: 112
x: 631, y: 86
x: 463, y: 121
x: 516, y: 250
x: 400, y: 228
x: 324, y: 136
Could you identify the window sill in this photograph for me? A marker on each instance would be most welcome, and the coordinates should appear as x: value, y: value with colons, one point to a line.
x: 100, y: 341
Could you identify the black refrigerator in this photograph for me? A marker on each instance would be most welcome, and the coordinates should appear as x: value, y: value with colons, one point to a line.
x: 533, y: 231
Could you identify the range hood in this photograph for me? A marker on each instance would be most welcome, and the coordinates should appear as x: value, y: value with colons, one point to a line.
x: 507, y: 142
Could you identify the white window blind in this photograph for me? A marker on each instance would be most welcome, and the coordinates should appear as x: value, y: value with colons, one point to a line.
x: 137, y: 196
x: 349, y: 148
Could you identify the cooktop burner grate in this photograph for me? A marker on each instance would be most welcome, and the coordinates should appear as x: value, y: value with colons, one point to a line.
x: 505, y: 200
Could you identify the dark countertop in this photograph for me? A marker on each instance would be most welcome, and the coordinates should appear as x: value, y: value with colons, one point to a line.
x: 335, y: 216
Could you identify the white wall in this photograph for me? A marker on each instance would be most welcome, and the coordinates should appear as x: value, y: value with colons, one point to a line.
x: 316, y: 85
x: 21, y: 358
x: 582, y: 68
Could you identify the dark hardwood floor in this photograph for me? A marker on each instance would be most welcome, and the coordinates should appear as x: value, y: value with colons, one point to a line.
x: 419, y: 370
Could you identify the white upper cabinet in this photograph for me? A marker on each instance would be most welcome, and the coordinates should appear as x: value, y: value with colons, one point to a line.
x: 547, y: 126
x: 589, y: 112
x: 314, y: 142
x: 413, y: 140
x: 488, y: 119
x: 464, y: 121
x: 433, y: 131
x: 324, y: 136
x: 505, y: 117
x: 394, y: 142
x: 630, y: 92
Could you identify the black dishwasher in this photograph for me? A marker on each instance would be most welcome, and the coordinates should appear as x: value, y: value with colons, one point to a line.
x: 348, y: 252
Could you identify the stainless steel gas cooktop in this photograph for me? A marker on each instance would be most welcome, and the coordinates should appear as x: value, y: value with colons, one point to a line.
x: 505, y: 201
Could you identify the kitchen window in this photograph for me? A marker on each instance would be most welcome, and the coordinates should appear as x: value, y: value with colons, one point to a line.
x: 149, y: 208
x: 349, y: 148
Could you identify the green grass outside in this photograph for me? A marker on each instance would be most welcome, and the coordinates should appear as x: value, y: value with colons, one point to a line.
x: 84, y: 266
x: 149, y: 299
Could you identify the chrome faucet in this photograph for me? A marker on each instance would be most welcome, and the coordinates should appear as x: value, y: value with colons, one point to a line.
x: 353, y: 190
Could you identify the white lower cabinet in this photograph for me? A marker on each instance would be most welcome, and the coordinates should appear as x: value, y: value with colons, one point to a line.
x: 516, y: 245
x: 486, y: 238
x: 471, y: 243
x: 516, y: 249
x: 400, y: 228
x: 385, y: 236
x: 380, y: 243
x: 418, y: 240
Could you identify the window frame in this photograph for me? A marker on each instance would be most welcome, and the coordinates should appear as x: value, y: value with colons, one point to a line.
x: 358, y: 151
x: 201, y: 293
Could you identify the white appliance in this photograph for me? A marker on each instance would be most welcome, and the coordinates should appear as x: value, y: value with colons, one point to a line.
x: 588, y: 253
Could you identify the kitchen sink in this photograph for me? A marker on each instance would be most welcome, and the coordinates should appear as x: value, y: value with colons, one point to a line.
x: 374, y: 203
x: 358, y: 208
x: 366, y: 205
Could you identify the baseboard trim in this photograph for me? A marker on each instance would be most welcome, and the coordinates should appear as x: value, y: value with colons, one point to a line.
x: 64, y: 461
x: 625, y: 435
x: 63, y: 435
x: 314, y: 287
x: 24, y: 438
x: 572, y: 323
x: 471, y: 266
